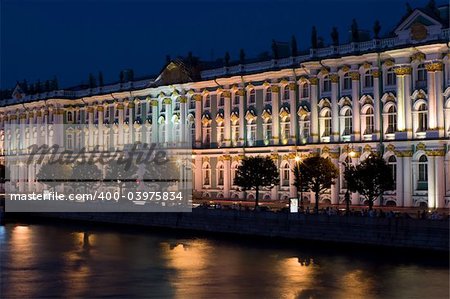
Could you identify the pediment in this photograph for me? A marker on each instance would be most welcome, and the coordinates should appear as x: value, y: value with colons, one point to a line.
x: 418, y: 26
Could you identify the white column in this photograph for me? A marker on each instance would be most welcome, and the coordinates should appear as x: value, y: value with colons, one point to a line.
x: 183, y: 122
x: 314, y: 123
x: 120, y: 108
x: 407, y: 181
x: 399, y: 181
x: 404, y: 119
x: 376, y: 99
x: 334, y: 107
x: 198, y: 179
x: 440, y: 181
x: 275, y: 114
x: 198, y: 120
x: 293, y: 114
x: 131, y: 137
x: 90, y: 111
x: 242, y: 124
x: 335, y: 188
x: 168, y: 120
x: 432, y: 103
x: 100, y: 110
x: 227, y: 119
x: 356, y: 106
x: 431, y: 182
x: 155, y: 125
x: 227, y: 177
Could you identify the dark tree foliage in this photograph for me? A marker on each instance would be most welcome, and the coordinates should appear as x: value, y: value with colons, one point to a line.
x: 371, y: 178
x: 315, y: 174
x: 275, y: 54
x: 256, y: 173
x: 376, y: 29
x: 54, y: 174
x: 122, y: 174
x: 294, y: 48
x: 355, y: 31
x: 2, y: 173
x: 335, y: 36
x: 242, y: 56
x: 100, y: 79
x: 227, y: 58
x: 87, y: 175
x: 314, y: 37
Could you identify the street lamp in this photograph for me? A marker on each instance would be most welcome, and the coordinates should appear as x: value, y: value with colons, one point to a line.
x: 298, y: 159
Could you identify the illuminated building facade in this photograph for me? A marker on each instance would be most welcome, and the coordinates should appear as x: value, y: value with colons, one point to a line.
x: 389, y: 95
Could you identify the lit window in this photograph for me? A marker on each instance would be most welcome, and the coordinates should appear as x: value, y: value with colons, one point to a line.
x: 326, y: 84
x: 252, y: 96
x: 422, y: 180
x: 391, y: 120
x: 422, y: 118
x: 269, y: 95
x: 347, y: 81
x: 368, y: 79
x: 391, y: 79
x: 369, y: 121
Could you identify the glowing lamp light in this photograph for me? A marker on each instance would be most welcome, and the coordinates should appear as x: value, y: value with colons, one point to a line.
x: 297, y: 159
x: 352, y: 154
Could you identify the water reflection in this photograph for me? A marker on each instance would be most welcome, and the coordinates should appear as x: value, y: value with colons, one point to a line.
x: 39, y: 261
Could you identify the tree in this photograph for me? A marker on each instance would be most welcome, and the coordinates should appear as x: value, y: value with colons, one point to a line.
x: 86, y: 174
x: 227, y: 59
x: 376, y: 29
x: 371, y: 178
x: 316, y: 174
x: 100, y: 79
x: 335, y: 36
x: 314, y: 38
x: 54, y: 174
x: 256, y: 173
x: 124, y: 174
x: 242, y: 56
x: 274, y: 50
x: 294, y: 49
x: 92, y: 83
x: 355, y: 31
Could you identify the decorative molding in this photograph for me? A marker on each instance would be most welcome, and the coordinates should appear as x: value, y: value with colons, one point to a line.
x: 434, y: 67
x: 390, y: 147
x: 354, y: 76
x: 366, y: 65
x: 376, y: 73
x: 402, y: 70
x: 421, y: 146
x: 345, y: 68
x: 314, y: 80
x: 389, y: 63
x: 167, y: 101
x: 154, y: 103
x: 419, y: 56
x: 275, y: 88
x: 226, y: 94
x: 334, y: 78
x: 292, y: 86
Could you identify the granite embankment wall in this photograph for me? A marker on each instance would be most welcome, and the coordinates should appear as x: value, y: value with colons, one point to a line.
x: 393, y: 232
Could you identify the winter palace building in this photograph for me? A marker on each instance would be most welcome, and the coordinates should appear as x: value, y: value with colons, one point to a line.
x: 388, y: 95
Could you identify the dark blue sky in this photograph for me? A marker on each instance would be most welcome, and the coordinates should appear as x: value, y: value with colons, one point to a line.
x: 70, y: 39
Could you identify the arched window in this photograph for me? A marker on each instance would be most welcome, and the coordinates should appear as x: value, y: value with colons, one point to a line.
x: 192, y: 104
x: 207, y: 134
x: 392, y: 162
x: 391, y: 120
x: 208, y: 101
x: 285, y: 173
x: 422, y: 178
x: 269, y: 95
x: 348, y: 122
x: 69, y: 117
x: 234, y: 167
x: 267, y: 131
x: 421, y: 75
x: 305, y: 127
x: 422, y: 117
x: 235, y: 132
x: 326, y: 84
x: 220, y: 175
x: 347, y: 81
x: 286, y: 94
x: 221, y: 100
x: 391, y: 79
x: 285, y: 130
x: 368, y: 79
x: 206, y: 175
x: 236, y: 99
x: 326, y: 121
x: 305, y: 90
x: 252, y: 96
x: 369, y: 121
x: 220, y: 134
x: 251, y: 133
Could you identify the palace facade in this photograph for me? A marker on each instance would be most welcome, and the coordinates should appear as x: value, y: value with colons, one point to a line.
x: 390, y: 96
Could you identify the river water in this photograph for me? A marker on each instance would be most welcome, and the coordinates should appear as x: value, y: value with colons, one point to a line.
x: 85, y: 261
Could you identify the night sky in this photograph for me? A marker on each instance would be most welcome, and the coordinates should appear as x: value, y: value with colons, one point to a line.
x: 70, y: 39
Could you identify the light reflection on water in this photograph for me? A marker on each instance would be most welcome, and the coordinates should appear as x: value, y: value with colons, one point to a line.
x: 39, y: 261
